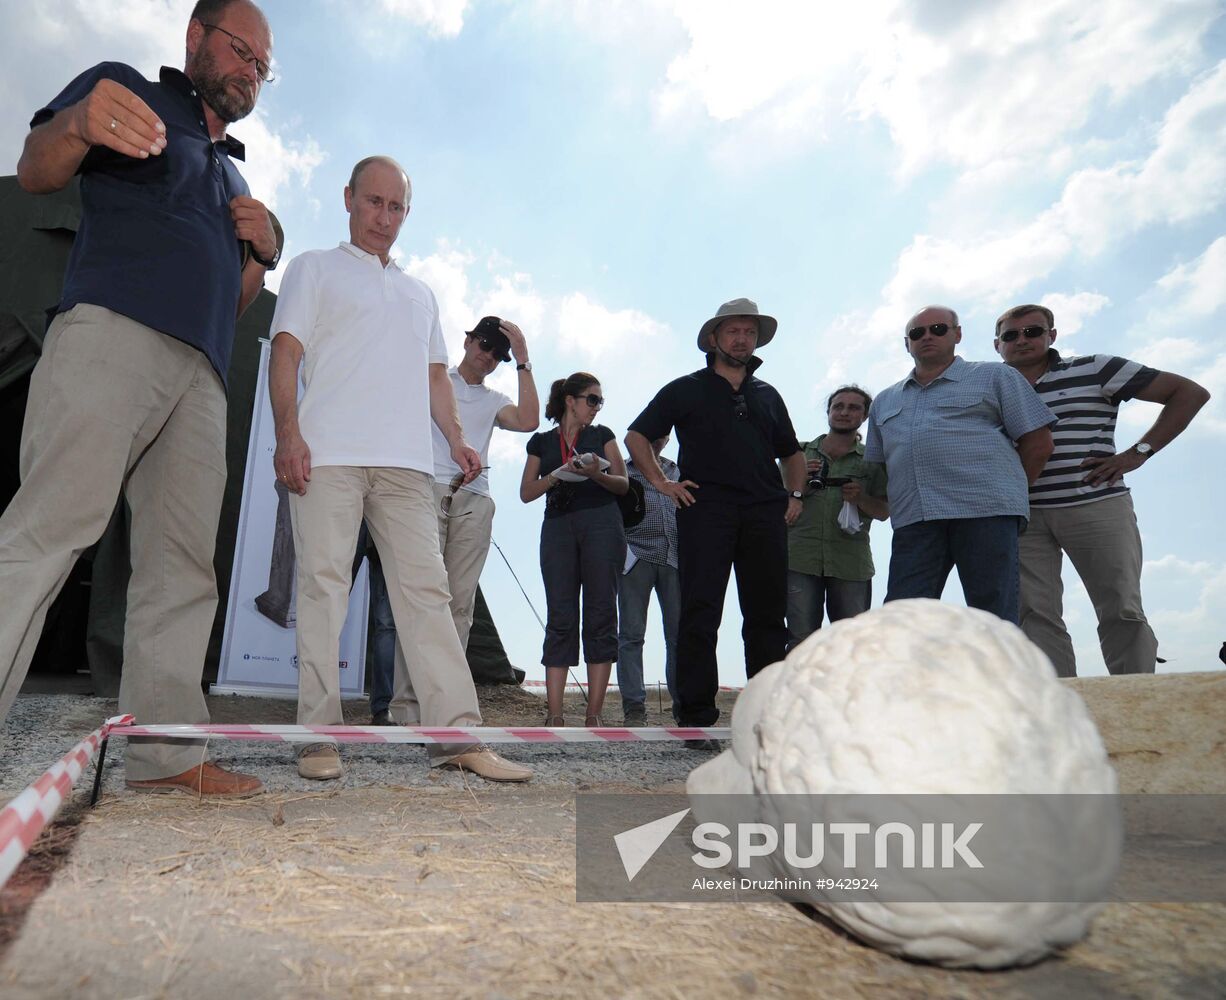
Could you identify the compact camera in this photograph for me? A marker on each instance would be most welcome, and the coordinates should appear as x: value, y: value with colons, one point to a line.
x: 816, y: 482
x: 820, y: 478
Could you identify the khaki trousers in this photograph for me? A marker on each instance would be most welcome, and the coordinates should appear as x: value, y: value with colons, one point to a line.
x: 464, y: 538
x: 399, y: 508
x: 115, y: 405
x: 1104, y: 545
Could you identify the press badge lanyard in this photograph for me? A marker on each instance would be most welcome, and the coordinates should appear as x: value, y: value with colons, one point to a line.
x: 568, y: 450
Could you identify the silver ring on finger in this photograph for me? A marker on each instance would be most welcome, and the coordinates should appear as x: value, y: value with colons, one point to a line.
x: 114, y: 124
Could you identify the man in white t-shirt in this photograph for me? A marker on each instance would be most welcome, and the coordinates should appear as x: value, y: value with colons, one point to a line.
x: 466, y: 512
x: 374, y: 374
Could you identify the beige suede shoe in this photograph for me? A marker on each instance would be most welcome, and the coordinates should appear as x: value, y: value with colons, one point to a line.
x: 320, y: 761
x: 489, y: 765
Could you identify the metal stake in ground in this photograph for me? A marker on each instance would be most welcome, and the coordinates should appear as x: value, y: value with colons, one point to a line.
x: 93, y: 796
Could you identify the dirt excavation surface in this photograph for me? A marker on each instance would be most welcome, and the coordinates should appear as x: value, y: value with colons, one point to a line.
x: 399, y: 881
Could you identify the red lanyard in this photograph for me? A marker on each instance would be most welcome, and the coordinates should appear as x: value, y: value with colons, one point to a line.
x: 568, y: 451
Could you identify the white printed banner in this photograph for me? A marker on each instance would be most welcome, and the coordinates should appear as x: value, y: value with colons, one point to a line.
x: 258, y: 650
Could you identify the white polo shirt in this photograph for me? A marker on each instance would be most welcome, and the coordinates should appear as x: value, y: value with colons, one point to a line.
x: 369, y: 334
x: 478, y: 406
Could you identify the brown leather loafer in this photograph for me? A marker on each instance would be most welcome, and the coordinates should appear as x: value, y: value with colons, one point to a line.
x: 489, y: 765
x: 204, y: 779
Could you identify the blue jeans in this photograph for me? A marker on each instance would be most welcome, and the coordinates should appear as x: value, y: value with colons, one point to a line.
x: 985, y: 550
x: 806, y: 595
x: 381, y: 642
x: 633, y: 597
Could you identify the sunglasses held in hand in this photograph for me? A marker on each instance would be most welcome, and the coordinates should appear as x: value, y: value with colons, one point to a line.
x: 452, y: 489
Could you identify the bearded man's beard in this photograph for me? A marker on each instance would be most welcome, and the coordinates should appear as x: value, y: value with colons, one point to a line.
x: 211, y: 84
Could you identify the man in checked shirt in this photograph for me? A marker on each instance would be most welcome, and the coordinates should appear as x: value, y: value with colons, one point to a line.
x: 961, y: 442
x: 651, y: 564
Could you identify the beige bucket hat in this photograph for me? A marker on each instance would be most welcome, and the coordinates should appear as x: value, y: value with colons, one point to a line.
x: 767, y: 325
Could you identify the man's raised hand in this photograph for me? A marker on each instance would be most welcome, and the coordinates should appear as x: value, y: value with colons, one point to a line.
x: 111, y: 115
x: 519, y: 346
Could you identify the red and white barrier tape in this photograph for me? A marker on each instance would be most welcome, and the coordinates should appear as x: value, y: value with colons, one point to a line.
x: 428, y: 734
x: 26, y: 816
x: 612, y: 686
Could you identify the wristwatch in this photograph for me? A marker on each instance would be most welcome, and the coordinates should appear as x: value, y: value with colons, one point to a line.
x: 1143, y: 449
x: 525, y: 367
x: 268, y: 265
x: 796, y: 495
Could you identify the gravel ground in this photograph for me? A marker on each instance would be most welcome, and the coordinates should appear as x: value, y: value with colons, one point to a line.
x: 42, y: 727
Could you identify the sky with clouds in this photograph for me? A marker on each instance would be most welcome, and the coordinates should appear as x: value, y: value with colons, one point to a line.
x: 606, y: 173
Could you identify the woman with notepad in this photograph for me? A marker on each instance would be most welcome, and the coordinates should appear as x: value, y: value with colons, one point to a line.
x: 578, y: 469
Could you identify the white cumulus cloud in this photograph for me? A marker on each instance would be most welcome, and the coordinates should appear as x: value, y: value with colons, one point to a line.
x: 440, y: 18
x: 1197, y: 288
x: 967, y: 84
x: 1071, y: 311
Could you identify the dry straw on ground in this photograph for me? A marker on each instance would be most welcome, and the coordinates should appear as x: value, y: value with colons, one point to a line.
x: 458, y: 890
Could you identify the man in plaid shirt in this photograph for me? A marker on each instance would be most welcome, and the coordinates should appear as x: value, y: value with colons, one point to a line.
x: 961, y: 442
x: 651, y: 564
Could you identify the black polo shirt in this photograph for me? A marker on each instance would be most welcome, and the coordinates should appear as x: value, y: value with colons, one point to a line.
x: 156, y: 241
x: 731, y: 458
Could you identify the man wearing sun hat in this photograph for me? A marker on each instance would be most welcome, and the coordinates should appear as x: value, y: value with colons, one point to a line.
x: 465, y: 512
x: 733, y: 509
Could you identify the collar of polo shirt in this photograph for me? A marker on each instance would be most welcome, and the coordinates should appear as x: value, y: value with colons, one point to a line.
x: 360, y: 254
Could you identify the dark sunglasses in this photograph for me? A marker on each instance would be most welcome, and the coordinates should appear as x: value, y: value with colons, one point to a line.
x: 740, y: 408
x: 594, y: 401
x: 936, y: 329
x: 1029, y: 332
x: 491, y: 348
x: 452, y: 489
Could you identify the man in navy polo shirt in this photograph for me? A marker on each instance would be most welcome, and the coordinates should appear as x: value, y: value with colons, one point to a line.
x: 130, y: 390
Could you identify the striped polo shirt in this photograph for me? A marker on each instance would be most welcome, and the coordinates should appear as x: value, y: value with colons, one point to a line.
x: 1085, y: 395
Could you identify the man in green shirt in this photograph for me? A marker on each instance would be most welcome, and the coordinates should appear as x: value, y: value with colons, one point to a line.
x: 826, y: 564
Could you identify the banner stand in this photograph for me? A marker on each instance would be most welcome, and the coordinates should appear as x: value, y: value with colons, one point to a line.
x: 258, y: 650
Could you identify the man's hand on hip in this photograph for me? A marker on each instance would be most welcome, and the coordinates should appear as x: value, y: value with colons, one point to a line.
x: 680, y: 493
x: 251, y: 223
x: 111, y: 115
x: 292, y: 461
x: 1109, y: 470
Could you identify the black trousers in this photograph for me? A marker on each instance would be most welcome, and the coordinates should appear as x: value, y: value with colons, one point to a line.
x: 714, y: 537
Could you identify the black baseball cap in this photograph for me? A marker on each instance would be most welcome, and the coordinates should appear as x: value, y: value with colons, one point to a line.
x: 490, y: 329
